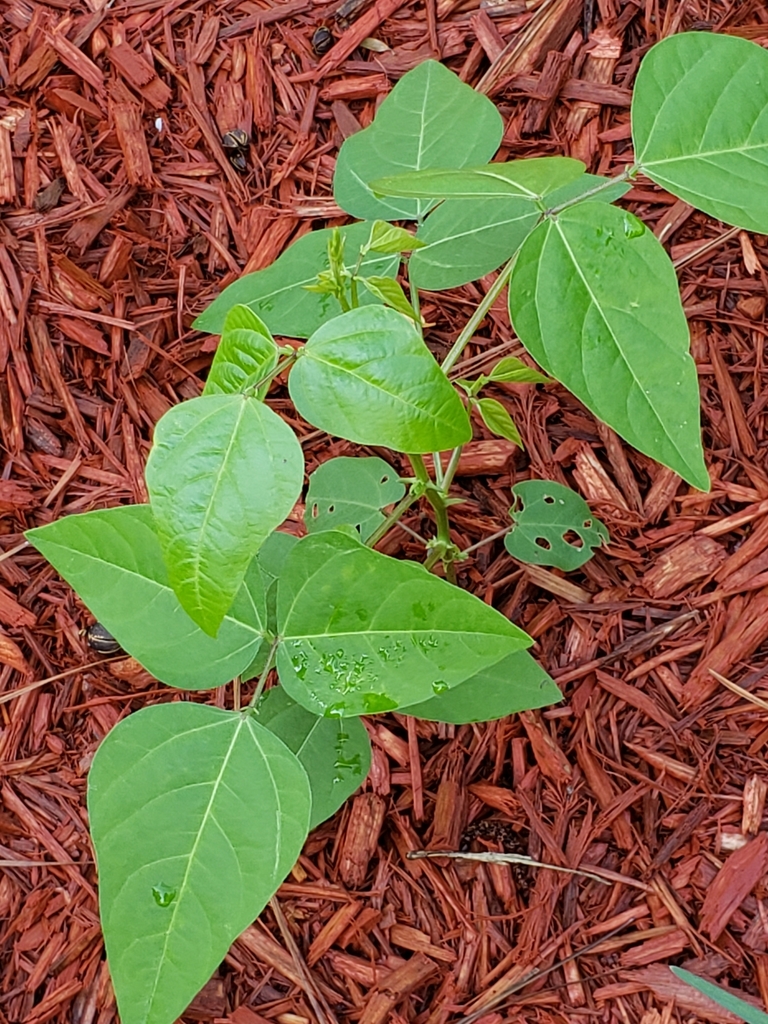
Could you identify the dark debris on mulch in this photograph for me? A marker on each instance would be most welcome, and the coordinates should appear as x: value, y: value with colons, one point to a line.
x: 121, y: 217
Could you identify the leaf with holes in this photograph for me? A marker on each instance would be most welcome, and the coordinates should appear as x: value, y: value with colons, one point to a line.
x: 113, y: 559
x: 594, y: 298
x: 197, y: 815
x: 386, y: 385
x: 247, y: 352
x: 336, y: 755
x: 278, y: 293
x: 553, y: 526
x: 516, y: 683
x: 223, y: 472
x: 352, y: 491
x: 363, y: 633
x: 700, y: 124
x: 417, y: 126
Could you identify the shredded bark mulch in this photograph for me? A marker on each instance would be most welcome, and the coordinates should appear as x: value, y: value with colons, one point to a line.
x: 121, y: 217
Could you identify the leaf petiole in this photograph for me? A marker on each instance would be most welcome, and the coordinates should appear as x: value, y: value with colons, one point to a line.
x: 265, y: 672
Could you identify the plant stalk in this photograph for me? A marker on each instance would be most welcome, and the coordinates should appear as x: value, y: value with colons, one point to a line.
x: 397, y: 513
x: 263, y: 677
x: 479, y: 315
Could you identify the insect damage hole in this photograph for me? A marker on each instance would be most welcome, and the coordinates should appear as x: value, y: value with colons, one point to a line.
x: 572, y: 538
x: 542, y: 542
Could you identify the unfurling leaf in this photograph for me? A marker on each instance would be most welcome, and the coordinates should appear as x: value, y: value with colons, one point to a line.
x: 391, y: 294
x: 388, y: 238
x: 514, y: 371
x: 498, y: 420
x: 553, y: 526
x: 247, y: 353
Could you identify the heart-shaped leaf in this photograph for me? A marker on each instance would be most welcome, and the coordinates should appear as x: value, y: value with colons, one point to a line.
x: 553, y: 526
x: 278, y: 293
x: 336, y: 756
x: 352, y: 491
x: 516, y: 683
x: 223, y: 472
x: 700, y: 124
x: 417, y: 126
x: 197, y: 815
x: 367, y: 376
x: 362, y: 632
x: 114, y: 561
x: 594, y: 299
x: 246, y: 353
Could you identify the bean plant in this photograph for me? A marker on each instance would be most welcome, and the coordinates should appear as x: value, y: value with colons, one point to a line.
x: 198, y: 813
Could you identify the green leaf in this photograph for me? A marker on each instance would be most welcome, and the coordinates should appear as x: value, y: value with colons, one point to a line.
x: 114, y: 561
x: 352, y: 491
x: 511, y: 370
x: 387, y: 387
x: 391, y: 294
x: 388, y: 238
x: 247, y: 352
x: 597, y: 305
x: 516, y: 683
x: 430, y: 119
x: 223, y: 472
x: 468, y: 238
x: 364, y: 633
x: 544, y: 514
x: 336, y: 757
x: 498, y: 420
x: 270, y: 560
x: 530, y: 179
x: 723, y: 998
x: 700, y: 124
x: 577, y: 189
x: 197, y: 815
x: 278, y: 293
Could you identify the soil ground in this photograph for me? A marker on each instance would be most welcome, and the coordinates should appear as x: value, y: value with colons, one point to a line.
x: 120, y: 219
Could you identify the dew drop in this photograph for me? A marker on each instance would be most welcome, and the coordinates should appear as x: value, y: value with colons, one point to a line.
x: 163, y: 895
x: 439, y: 686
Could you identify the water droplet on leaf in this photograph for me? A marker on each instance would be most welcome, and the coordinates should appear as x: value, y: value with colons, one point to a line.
x: 163, y: 895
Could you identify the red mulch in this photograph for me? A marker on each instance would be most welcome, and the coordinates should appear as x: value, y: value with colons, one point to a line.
x: 120, y: 218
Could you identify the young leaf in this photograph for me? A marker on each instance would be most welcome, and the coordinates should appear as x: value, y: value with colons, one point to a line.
x: 700, y: 124
x: 530, y: 179
x: 725, y: 999
x: 386, y: 385
x: 197, y: 815
x: 597, y: 305
x: 114, y: 561
x: 514, y: 371
x: 279, y: 293
x: 246, y: 353
x: 223, y: 472
x: 364, y: 633
x: 388, y: 238
x: 335, y: 756
x: 516, y: 683
x: 498, y: 420
x: 545, y: 514
x: 418, y: 125
x: 391, y: 294
x: 352, y: 491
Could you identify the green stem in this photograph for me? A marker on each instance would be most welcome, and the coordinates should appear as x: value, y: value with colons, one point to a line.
x: 397, y: 513
x: 353, y: 292
x: 263, y: 677
x: 436, y: 499
x: 450, y: 469
x: 415, y: 300
x: 479, y: 315
x: 625, y: 175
